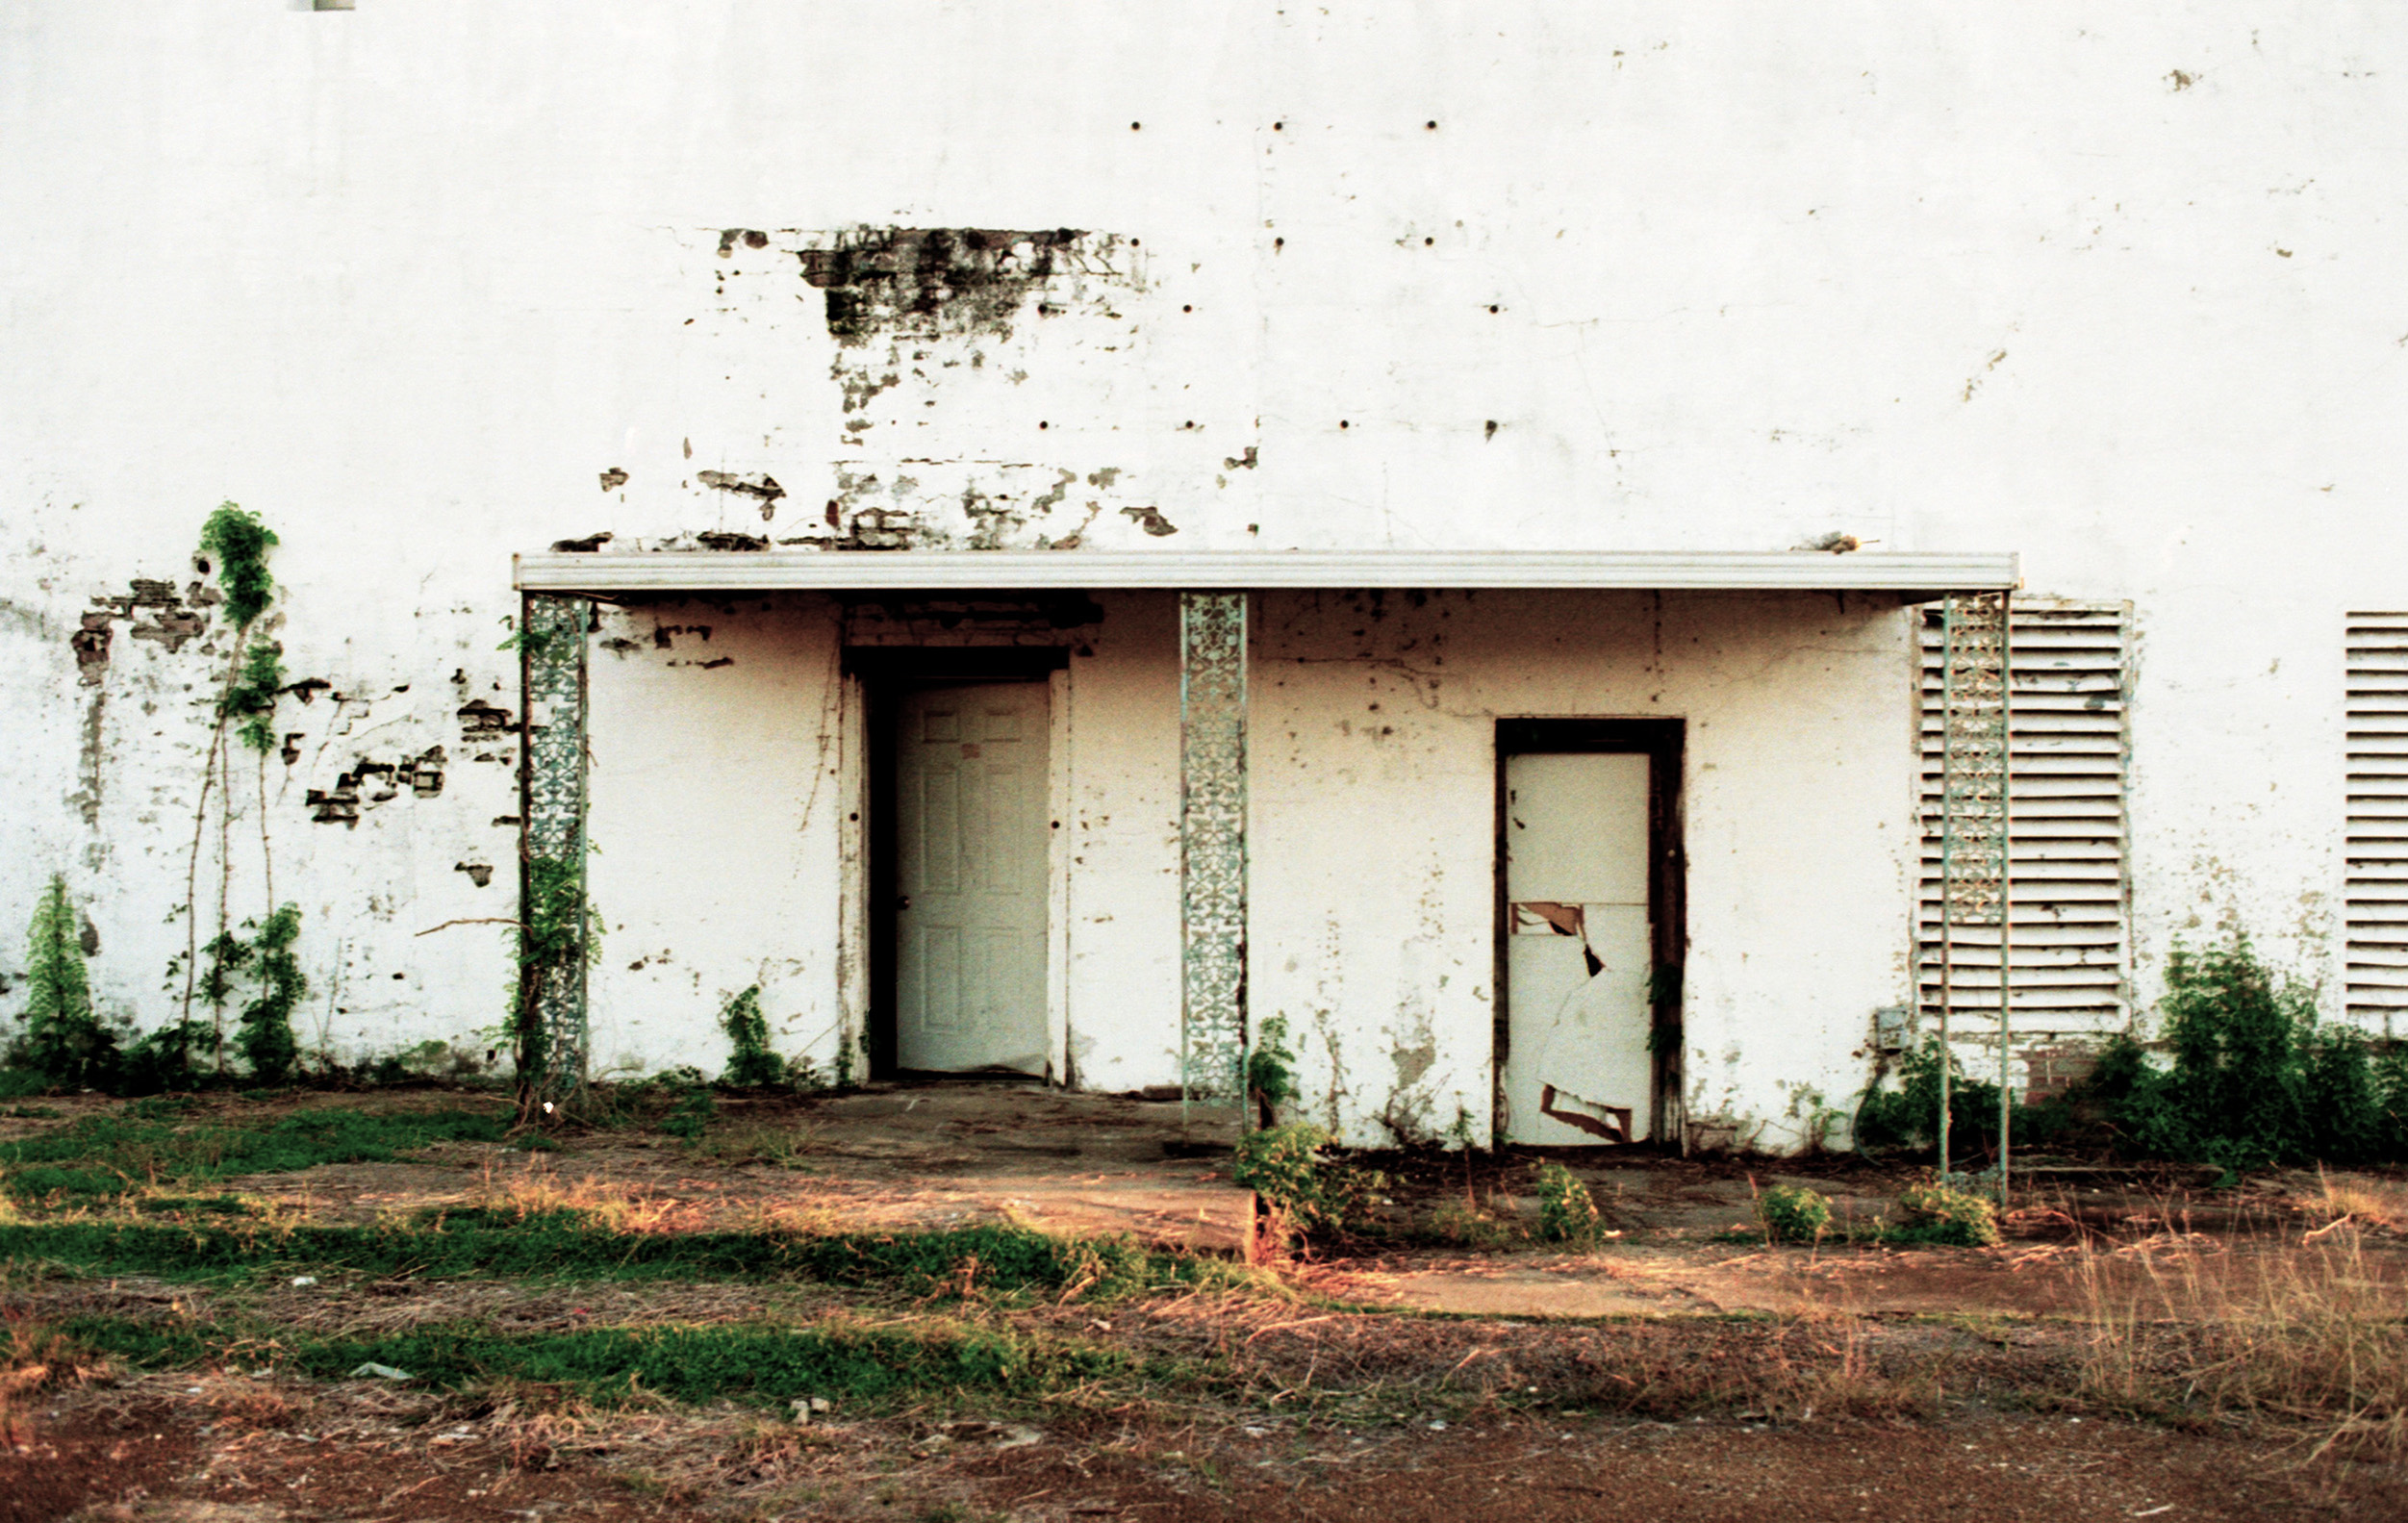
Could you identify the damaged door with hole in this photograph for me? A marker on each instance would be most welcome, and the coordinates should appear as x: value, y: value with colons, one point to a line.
x: 1579, y: 949
x: 970, y: 874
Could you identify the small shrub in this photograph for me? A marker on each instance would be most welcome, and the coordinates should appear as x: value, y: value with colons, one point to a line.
x: 1271, y: 1069
x: 1567, y: 1213
x: 1936, y: 1213
x: 65, y: 1041
x: 1283, y: 1165
x: 803, y: 1076
x: 1792, y: 1213
x: 1908, y: 1117
x: 266, y: 1039
x: 2254, y: 1079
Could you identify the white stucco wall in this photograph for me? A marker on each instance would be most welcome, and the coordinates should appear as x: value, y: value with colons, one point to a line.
x: 1374, y: 852
x: 2118, y: 291
x: 720, y: 812
x: 717, y: 812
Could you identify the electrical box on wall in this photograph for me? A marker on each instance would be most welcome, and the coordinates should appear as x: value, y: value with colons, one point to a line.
x: 1889, y: 1027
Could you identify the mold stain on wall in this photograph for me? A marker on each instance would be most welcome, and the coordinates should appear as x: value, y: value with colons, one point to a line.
x: 947, y: 342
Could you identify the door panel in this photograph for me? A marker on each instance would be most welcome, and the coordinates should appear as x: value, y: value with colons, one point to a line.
x: 970, y: 908
x: 1579, y: 949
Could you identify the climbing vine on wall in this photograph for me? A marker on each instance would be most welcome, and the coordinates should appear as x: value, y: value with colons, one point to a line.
x: 558, y: 938
x: 235, y: 544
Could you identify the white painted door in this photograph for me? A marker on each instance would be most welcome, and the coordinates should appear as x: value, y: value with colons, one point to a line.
x: 1578, y: 955
x: 971, y: 878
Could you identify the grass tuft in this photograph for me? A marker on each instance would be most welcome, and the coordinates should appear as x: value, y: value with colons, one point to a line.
x: 842, y: 1360
x: 563, y: 1245
x: 112, y: 1155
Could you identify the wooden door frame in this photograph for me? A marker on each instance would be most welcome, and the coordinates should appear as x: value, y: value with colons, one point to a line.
x: 1661, y: 740
x: 886, y: 673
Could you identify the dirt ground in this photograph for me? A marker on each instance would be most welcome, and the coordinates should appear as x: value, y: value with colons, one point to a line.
x: 1449, y: 1334
x: 178, y: 1450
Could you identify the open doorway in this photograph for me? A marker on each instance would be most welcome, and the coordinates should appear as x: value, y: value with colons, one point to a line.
x: 959, y: 850
x: 1590, y: 930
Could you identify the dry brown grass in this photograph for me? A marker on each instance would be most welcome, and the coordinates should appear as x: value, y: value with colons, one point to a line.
x: 2358, y: 1198
x: 33, y: 1358
x: 540, y: 1189
x: 778, y: 1145
x: 239, y: 1404
x: 2308, y: 1335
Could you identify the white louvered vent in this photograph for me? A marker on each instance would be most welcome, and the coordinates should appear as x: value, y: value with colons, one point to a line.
x: 2066, y: 786
x: 2377, y: 888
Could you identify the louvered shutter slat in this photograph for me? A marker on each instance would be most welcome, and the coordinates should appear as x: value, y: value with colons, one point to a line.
x: 2374, y: 894
x: 2066, y: 747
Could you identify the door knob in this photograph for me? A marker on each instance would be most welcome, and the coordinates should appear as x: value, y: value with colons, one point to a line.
x: 902, y: 902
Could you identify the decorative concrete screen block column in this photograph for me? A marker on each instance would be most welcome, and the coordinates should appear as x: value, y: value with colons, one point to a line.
x: 553, y: 845
x: 1213, y: 843
x: 1974, y: 873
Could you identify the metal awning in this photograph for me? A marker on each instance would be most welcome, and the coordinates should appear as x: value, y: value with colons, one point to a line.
x: 1915, y: 574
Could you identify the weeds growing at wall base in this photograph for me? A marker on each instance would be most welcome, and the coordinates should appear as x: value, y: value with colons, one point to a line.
x: 2249, y: 1077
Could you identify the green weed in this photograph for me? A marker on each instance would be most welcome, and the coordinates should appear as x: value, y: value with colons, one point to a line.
x: 1936, y: 1213
x: 752, y: 1062
x: 1271, y: 1069
x: 560, y: 934
x: 1792, y: 1213
x: 239, y: 543
x: 1283, y: 1165
x: 1567, y: 1213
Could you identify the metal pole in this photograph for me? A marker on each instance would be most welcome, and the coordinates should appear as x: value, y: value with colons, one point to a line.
x: 1947, y: 853
x: 2006, y: 876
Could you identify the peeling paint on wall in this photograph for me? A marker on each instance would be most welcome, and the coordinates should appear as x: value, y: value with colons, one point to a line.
x: 155, y: 610
x: 763, y: 488
x: 369, y: 783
